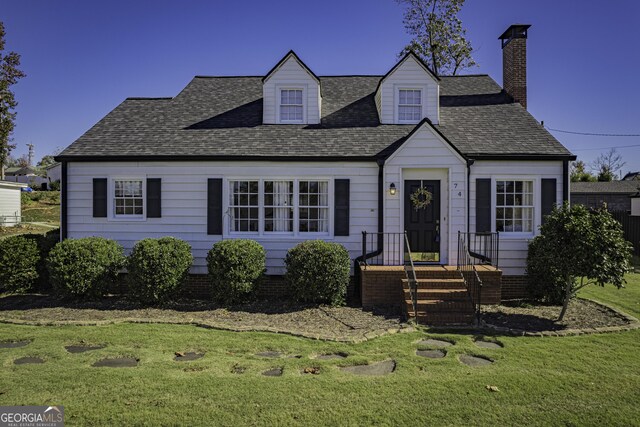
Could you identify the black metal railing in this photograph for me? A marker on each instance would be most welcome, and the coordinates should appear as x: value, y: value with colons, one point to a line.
x: 391, y: 249
x: 412, y: 280
x: 383, y: 248
x: 483, y: 247
x: 466, y: 265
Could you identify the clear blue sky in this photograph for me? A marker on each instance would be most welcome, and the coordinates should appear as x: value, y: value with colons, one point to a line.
x: 84, y: 57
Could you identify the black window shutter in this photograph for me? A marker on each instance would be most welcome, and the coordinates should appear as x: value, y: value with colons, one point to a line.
x: 99, y: 197
x: 214, y: 206
x: 341, y: 207
x: 548, y: 196
x: 483, y: 205
x: 154, y: 198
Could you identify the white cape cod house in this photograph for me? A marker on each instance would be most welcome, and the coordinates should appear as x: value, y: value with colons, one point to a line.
x: 291, y: 156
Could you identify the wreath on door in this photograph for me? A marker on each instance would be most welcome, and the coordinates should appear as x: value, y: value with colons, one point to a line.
x: 421, y: 198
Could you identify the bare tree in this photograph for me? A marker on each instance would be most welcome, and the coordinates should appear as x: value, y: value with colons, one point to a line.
x: 438, y: 37
x: 608, y: 165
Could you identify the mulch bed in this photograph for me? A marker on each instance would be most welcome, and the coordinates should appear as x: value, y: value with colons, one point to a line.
x: 312, y: 321
x: 581, y: 314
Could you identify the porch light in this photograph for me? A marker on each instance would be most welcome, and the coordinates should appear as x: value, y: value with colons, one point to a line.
x: 392, y: 189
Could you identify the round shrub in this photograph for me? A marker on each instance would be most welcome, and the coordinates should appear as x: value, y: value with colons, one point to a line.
x: 318, y: 271
x: 85, y: 267
x: 19, y: 259
x: 157, y: 268
x: 235, y: 269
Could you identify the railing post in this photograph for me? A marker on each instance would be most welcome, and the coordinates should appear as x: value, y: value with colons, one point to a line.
x: 364, y: 247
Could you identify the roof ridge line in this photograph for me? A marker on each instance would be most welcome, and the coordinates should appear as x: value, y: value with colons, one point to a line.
x: 147, y: 97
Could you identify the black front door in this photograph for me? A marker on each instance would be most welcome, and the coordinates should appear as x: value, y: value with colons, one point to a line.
x: 423, y: 225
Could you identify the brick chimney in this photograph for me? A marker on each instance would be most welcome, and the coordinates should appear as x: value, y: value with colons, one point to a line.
x: 514, y: 62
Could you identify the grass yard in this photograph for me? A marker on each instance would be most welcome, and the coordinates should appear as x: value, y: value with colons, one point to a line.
x: 40, y: 213
x: 582, y: 380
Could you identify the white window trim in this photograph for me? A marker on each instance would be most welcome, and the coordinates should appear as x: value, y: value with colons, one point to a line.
x: 536, y: 206
x: 295, y: 234
x: 396, y: 102
x: 305, y: 101
x: 111, y: 195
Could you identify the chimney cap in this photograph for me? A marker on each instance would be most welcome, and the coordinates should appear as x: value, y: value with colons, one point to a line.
x: 515, y: 31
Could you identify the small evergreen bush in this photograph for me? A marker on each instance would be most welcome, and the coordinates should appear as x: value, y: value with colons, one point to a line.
x: 318, y: 271
x: 157, y: 268
x: 235, y: 269
x: 85, y: 267
x: 19, y: 258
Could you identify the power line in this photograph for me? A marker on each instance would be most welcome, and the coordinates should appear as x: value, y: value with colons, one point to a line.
x: 594, y: 134
x: 605, y: 148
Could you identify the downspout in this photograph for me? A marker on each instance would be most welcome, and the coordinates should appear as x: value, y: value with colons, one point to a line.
x: 63, y: 201
x: 469, y: 163
x: 565, y: 180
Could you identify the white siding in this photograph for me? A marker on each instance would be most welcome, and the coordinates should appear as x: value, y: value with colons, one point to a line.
x: 426, y: 156
x: 410, y: 74
x: 513, y: 248
x: 10, y: 208
x: 184, y: 202
x: 291, y: 74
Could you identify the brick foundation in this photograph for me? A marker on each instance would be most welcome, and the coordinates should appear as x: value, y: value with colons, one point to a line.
x: 515, y: 287
x: 198, y: 286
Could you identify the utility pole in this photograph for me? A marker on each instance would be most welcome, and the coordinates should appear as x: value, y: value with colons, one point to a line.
x: 30, y: 154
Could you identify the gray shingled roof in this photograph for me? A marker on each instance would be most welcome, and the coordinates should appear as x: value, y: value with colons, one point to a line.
x: 222, y: 116
x: 620, y: 187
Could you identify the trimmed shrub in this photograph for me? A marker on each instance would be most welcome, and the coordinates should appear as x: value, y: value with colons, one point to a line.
x: 318, y: 271
x: 23, y: 269
x: 235, y: 269
x: 85, y: 267
x: 19, y: 258
x: 157, y: 268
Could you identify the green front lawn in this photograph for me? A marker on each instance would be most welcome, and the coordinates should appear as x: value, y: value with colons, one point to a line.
x: 583, y: 380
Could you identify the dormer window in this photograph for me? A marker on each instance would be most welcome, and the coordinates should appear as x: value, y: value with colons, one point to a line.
x: 291, y: 105
x: 409, y: 105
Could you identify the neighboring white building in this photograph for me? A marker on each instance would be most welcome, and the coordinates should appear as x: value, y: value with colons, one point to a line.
x: 292, y: 156
x: 10, y: 203
x: 54, y: 172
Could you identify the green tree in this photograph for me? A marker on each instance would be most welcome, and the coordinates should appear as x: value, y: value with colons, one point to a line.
x: 46, y: 161
x: 579, y: 172
x: 438, y: 37
x: 9, y: 75
x: 575, y: 248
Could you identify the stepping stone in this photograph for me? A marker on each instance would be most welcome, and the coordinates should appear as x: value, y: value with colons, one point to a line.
x: 435, y: 343
x: 332, y: 356
x: 117, y: 362
x: 82, y: 348
x: 469, y: 360
x: 271, y: 354
x: 488, y: 344
x: 380, y: 368
x: 187, y: 357
x: 274, y: 372
x: 237, y: 369
x: 13, y: 344
x: 431, y: 354
x: 28, y: 360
